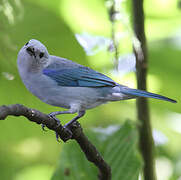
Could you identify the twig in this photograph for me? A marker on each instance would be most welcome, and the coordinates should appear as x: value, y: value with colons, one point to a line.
x: 145, y: 130
x: 112, y: 17
x: 74, y: 132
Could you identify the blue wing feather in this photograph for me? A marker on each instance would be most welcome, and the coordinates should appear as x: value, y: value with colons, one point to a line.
x: 79, y: 77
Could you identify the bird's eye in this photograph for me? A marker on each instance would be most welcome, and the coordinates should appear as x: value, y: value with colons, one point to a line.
x: 27, y: 43
x: 41, y: 54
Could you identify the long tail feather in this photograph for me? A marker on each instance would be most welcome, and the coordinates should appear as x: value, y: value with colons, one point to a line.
x: 141, y: 93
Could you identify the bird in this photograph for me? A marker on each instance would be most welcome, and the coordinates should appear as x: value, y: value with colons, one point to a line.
x: 63, y: 83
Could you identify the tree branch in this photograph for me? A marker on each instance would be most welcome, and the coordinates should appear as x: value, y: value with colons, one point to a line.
x: 75, y: 132
x: 145, y: 130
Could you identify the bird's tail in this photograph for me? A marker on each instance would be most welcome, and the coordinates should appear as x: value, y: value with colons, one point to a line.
x: 141, y: 93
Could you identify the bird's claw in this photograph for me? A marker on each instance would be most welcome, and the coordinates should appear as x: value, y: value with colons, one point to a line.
x: 68, y: 133
x: 66, y: 128
x: 52, y: 115
x: 56, y: 134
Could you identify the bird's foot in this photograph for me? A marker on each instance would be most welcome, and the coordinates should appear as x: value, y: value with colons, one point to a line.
x: 66, y: 134
x: 53, y: 115
x: 67, y: 125
x: 70, y: 123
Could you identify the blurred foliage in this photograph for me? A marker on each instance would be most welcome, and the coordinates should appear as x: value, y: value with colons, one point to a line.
x: 25, y: 150
x: 118, y: 146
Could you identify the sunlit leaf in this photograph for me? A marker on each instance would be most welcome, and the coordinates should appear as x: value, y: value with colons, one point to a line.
x: 8, y: 76
x: 12, y: 10
x: 127, y: 63
x: 92, y: 44
x: 159, y: 137
x: 8, y: 11
x: 164, y: 163
x: 40, y: 172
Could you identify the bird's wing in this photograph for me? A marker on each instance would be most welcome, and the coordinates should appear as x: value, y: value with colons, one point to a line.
x: 80, y: 76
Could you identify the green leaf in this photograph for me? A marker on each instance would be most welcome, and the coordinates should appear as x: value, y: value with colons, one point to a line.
x: 73, y: 165
x: 118, y: 148
x: 121, y: 153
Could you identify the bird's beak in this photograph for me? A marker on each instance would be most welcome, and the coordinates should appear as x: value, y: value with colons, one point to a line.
x: 31, y: 51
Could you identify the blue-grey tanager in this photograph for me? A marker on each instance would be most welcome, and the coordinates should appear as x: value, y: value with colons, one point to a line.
x: 63, y: 83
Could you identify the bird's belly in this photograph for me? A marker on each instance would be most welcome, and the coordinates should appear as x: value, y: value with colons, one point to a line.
x: 83, y: 97
x: 62, y: 96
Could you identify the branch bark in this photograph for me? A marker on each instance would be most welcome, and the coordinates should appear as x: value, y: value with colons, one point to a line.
x: 145, y: 130
x: 74, y: 132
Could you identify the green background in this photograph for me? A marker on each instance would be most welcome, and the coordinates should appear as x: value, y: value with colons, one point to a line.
x: 26, y: 152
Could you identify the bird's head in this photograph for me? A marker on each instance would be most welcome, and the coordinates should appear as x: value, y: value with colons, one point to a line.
x: 33, y: 56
